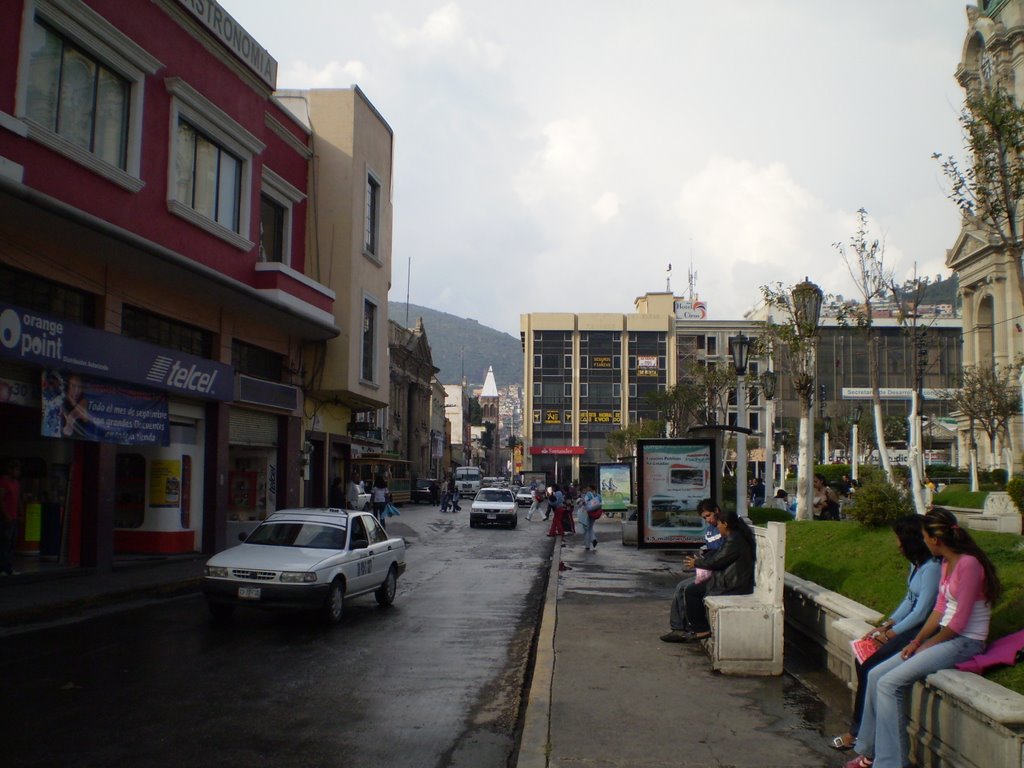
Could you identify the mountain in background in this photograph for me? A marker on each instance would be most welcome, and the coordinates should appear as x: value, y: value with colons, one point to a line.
x: 456, y: 342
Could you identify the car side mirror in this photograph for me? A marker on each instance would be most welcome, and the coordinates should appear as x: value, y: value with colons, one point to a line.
x: 360, y: 544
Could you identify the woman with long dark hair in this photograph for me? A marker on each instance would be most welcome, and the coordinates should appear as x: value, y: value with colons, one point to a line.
x: 955, y: 631
x: 906, y: 621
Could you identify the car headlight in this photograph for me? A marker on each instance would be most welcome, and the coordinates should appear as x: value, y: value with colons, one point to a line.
x: 216, y: 571
x: 298, y: 577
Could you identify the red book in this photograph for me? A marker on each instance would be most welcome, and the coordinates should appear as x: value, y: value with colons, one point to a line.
x: 864, y: 648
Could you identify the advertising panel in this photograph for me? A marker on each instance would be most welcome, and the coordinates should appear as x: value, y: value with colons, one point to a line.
x: 600, y: 361
x: 674, y: 476
x: 102, y: 412
x: 165, y: 483
x: 616, y: 486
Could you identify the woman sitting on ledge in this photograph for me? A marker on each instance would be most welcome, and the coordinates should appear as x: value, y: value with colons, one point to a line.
x: 955, y: 631
x: 732, y: 567
x: 908, y: 618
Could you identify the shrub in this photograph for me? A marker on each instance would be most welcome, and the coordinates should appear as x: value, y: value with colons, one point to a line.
x: 1016, y: 490
x: 879, y: 503
x: 999, y: 477
x: 762, y: 515
x: 833, y: 472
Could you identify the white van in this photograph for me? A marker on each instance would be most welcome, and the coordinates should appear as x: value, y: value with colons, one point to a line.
x: 467, y: 481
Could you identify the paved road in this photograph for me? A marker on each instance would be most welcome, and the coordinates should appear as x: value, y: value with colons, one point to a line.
x: 435, y: 680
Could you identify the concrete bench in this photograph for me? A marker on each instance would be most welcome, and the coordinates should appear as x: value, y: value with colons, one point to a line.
x: 747, y: 630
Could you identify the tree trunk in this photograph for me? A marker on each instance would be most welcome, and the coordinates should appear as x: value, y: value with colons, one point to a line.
x: 883, y: 454
x: 916, y: 480
x: 804, y: 508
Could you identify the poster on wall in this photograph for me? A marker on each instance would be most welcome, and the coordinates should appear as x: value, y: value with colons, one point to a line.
x: 673, y: 477
x: 165, y: 483
x: 80, y: 408
x: 616, y: 486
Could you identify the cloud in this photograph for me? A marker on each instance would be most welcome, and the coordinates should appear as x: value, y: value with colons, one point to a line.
x: 334, y: 74
x: 443, y: 31
x: 606, y: 206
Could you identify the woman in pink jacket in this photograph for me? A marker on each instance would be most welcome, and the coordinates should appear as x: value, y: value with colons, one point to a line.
x: 956, y: 630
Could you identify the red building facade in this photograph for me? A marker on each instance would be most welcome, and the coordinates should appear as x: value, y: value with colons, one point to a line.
x: 153, y: 297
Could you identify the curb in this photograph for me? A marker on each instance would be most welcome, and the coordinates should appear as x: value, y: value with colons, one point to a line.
x: 534, y: 742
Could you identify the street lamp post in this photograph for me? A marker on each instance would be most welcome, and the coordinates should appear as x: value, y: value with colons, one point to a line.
x: 740, y: 348
x: 824, y: 439
x: 807, y: 299
x: 768, y: 382
x: 855, y: 415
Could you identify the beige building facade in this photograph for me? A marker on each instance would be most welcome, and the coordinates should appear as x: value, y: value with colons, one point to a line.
x: 349, y: 245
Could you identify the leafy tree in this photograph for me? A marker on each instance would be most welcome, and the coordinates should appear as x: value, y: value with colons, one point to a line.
x: 476, y: 413
x: 989, y: 397
x: 622, y: 442
x: 700, y: 395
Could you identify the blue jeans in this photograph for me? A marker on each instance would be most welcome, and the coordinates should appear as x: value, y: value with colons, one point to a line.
x: 888, y: 649
x: 589, y: 536
x: 883, y: 728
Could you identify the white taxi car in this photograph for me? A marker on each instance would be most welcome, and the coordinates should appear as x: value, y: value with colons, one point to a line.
x: 306, y: 558
x: 494, y: 506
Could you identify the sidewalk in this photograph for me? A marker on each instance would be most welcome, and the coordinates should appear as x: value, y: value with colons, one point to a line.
x: 607, y: 693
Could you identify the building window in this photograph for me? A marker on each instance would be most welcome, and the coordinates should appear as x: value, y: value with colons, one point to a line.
x: 712, y: 346
x: 210, y: 166
x: 368, y: 369
x: 77, y: 97
x: 537, y: 389
x: 271, y: 230
x: 208, y: 177
x: 256, y: 361
x: 617, y: 391
x: 567, y: 362
x: 538, y: 361
x: 81, y: 90
x: 277, y: 200
x: 616, y: 362
x: 371, y: 223
x: 584, y: 388
x: 567, y: 389
x: 142, y: 324
x: 632, y: 389
x: 536, y: 417
x: 754, y: 420
x: 584, y: 362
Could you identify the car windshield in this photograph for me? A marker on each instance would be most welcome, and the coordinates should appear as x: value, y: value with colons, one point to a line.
x: 296, y: 534
x: 494, y: 495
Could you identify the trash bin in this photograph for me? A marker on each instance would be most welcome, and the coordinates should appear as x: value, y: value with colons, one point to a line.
x: 50, y: 532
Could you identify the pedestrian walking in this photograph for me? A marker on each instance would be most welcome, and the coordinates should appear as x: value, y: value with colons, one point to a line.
x: 380, y: 496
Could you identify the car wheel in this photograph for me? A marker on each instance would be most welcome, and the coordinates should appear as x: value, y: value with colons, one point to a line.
x: 221, y: 611
x: 515, y: 521
x: 385, y: 593
x: 472, y: 524
x: 334, y: 606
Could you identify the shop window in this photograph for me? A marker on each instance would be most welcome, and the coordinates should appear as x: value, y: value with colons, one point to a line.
x: 144, y: 325
x: 33, y: 292
x: 368, y: 368
x: 129, y: 490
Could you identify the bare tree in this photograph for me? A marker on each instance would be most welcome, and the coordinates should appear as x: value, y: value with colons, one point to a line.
x: 989, y: 189
x: 796, y: 337
x: 989, y: 397
x: 621, y: 443
x: 865, y: 260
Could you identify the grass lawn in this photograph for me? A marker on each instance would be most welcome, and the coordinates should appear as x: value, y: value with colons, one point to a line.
x: 865, y: 565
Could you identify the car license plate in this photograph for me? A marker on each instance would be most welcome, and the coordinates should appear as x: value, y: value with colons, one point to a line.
x: 248, y: 593
x: 492, y: 516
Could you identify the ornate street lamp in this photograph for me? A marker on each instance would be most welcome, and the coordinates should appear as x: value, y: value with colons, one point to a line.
x: 826, y: 432
x: 740, y: 350
x: 768, y: 382
x: 806, y: 300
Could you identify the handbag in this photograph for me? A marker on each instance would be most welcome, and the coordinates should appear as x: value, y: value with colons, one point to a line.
x: 594, y: 510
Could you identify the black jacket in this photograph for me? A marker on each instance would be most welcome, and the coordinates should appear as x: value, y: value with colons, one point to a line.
x: 732, y: 565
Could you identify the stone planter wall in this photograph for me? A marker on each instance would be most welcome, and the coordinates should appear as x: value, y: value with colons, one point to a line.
x: 1000, y: 514
x: 956, y: 718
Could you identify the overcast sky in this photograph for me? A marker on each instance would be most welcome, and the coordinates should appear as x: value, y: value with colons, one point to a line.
x: 558, y: 156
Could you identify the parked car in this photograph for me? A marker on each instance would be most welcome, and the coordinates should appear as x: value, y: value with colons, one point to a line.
x: 420, y: 493
x: 524, y: 496
x: 494, y: 506
x: 306, y: 558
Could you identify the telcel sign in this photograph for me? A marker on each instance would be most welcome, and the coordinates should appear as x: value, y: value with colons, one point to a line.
x: 51, y: 342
